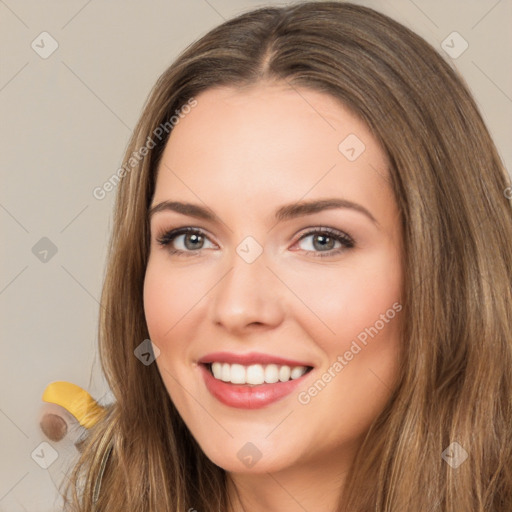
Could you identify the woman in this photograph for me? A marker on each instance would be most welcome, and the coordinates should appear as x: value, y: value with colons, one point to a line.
x: 314, y: 232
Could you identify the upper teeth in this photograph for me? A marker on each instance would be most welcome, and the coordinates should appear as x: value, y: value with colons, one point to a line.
x: 256, y: 373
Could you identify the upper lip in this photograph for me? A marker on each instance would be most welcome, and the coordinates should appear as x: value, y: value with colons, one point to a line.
x: 249, y: 358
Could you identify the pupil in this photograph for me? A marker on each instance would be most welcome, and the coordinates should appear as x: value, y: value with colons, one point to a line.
x: 326, y: 242
x: 195, y: 240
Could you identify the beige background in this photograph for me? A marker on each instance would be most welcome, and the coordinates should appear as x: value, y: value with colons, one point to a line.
x: 65, y: 121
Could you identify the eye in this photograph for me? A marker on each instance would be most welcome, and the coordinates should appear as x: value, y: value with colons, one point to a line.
x: 189, y: 241
x: 325, y: 242
x: 186, y: 241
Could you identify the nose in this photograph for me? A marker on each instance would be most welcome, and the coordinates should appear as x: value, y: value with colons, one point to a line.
x: 248, y: 297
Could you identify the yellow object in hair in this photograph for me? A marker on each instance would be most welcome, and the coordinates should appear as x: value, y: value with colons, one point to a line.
x: 76, y: 401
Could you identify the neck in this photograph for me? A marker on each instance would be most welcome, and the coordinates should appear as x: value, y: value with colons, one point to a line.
x: 315, y: 487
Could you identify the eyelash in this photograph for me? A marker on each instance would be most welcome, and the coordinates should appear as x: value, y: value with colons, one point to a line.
x: 347, y: 242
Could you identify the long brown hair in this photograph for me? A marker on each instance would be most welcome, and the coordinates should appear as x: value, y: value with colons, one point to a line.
x: 456, y: 374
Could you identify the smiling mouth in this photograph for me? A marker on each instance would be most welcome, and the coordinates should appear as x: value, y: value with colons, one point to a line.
x: 255, y: 374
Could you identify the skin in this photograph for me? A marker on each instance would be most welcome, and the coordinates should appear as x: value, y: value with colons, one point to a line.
x: 243, y: 153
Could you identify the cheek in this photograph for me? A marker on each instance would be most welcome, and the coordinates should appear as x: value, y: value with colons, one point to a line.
x: 169, y: 295
x: 164, y: 298
x: 167, y: 298
x: 357, y: 326
x: 159, y: 302
x: 344, y: 302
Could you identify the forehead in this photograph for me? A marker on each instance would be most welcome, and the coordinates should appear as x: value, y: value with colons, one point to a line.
x: 270, y: 140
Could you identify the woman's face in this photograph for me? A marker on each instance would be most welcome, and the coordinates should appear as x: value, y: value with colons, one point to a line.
x: 294, y: 256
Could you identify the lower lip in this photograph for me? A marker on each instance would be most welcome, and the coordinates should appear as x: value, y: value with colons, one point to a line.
x: 244, y: 396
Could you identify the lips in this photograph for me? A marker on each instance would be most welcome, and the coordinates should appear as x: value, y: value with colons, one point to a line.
x: 250, y: 358
x: 246, y: 396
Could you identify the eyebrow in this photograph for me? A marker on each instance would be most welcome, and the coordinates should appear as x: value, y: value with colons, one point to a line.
x: 285, y: 212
